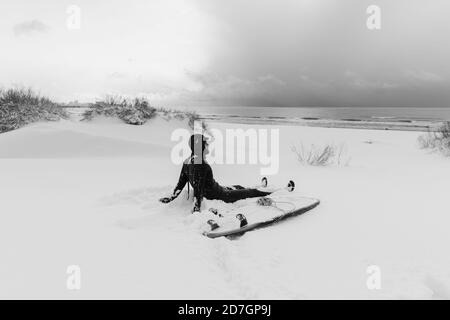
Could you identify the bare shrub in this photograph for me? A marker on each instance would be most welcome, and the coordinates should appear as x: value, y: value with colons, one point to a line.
x: 191, y: 116
x: 437, y: 140
x: 136, y: 111
x: 20, y: 106
x: 321, y: 155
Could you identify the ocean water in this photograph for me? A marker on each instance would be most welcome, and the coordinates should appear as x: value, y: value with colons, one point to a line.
x: 351, y: 113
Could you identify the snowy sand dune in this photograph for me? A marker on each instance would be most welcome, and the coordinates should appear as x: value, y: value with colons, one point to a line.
x: 86, y: 194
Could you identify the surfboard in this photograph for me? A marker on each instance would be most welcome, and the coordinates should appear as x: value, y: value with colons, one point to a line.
x: 284, y: 205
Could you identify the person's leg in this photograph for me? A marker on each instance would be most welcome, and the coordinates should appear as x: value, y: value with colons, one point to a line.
x: 238, y: 194
x: 234, y: 187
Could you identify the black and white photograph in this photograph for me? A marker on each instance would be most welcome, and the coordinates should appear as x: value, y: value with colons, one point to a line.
x: 224, y: 150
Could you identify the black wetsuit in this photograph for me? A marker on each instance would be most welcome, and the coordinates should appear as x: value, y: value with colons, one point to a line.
x: 200, y: 177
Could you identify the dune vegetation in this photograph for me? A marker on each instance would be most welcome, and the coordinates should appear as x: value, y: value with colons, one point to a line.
x: 438, y: 140
x: 20, y: 106
x: 135, y: 111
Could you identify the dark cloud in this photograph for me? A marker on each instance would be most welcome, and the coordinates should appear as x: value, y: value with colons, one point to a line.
x: 324, y: 54
x: 30, y: 27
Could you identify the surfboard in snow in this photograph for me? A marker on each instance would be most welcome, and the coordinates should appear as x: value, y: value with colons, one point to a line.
x: 260, y: 213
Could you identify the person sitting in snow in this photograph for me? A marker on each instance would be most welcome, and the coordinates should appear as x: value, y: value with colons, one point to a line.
x: 198, y: 173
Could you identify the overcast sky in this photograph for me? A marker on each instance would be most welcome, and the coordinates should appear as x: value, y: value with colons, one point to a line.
x: 233, y: 52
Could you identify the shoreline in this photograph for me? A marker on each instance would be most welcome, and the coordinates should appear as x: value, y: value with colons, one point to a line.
x: 349, y: 123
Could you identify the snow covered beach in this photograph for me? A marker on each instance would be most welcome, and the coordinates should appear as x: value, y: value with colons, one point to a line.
x: 85, y: 194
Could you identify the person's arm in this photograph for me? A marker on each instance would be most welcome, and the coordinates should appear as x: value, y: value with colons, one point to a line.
x: 180, y: 185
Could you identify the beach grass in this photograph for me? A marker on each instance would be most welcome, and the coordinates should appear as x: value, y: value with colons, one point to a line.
x: 437, y: 140
x: 136, y: 111
x: 324, y: 155
x: 22, y: 106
